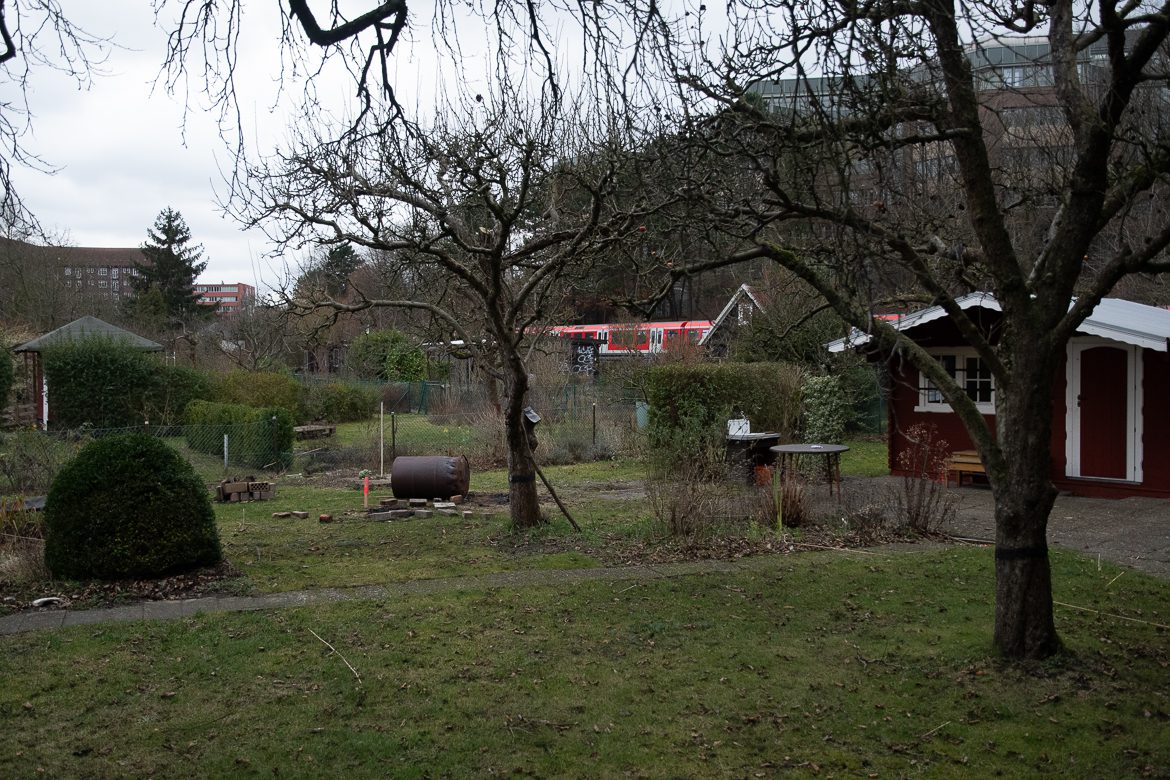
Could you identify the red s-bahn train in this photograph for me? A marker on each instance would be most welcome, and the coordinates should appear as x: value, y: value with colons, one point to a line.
x: 645, y: 338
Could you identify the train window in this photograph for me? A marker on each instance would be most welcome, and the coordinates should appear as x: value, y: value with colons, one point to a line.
x: 626, y: 338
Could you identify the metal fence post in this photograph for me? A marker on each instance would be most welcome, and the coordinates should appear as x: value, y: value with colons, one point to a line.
x: 595, y: 424
x: 393, y: 434
x: 382, y: 439
x: 225, y: 452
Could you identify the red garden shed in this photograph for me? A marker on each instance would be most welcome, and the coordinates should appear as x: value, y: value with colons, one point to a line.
x: 1110, y: 432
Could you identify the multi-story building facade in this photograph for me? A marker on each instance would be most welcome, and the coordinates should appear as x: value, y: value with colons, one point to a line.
x: 227, y: 298
x: 100, y: 271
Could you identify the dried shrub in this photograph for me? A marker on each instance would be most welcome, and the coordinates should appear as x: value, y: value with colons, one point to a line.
x: 786, y: 503
x: 22, y: 546
x: 29, y: 459
x: 687, y: 486
x: 922, y: 501
x: 863, y: 518
x: 684, y: 508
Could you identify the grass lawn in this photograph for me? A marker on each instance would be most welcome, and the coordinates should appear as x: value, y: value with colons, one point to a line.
x: 289, y: 554
x: 866, y: 458
x: 822, y: 664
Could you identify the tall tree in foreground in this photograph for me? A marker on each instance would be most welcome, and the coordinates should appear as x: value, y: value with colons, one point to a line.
x: 884, y: 155
x: 164, y: 287
x: 497, y: 205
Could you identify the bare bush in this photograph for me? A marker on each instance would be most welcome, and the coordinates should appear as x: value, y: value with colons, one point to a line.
x: 786, y: 503
x: 684, y: 507
x: 688, y: 488
x: 922, y: 501
x: 30, y: 459
x: 22, y: 547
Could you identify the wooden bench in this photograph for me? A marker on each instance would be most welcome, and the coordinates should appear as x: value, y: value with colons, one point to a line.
x: 963, y: 462
x: 314, y: 431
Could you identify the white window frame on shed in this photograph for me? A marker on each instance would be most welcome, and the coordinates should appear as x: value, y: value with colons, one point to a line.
x: 930, y: 398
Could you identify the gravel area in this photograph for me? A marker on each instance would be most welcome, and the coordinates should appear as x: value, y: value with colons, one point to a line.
x: 1132, y: 531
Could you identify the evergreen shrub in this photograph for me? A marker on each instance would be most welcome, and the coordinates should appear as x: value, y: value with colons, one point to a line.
x: 172, y: 388
x: 699, y: 397
x: 340, y: 402
x: 826, y: 410
x: 262, y: 389
x: 257, y: 438
x: 98, y: 381
x: 387, y: 355
x: 128, y: 506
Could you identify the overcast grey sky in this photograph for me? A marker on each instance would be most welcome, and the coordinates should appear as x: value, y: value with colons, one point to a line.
x: 121, y: 153
x: 124, y: 153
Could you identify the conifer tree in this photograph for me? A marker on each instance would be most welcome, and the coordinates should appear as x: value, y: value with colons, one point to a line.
x: 164, y: 289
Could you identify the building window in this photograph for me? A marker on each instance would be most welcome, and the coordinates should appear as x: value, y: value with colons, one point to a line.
x: 89, y: 270
x: 103, y: 271
x: 102, y: 283
x: 114, y: 272
x: 115, y: 285
x: 972, y: 374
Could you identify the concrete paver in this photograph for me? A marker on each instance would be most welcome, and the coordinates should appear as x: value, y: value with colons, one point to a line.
x: 1134, y: 532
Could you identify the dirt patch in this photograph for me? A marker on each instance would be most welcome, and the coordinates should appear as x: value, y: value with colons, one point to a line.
x: 222, y: 579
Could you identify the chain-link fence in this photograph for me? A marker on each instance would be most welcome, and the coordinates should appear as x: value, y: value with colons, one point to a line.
x: 583, y: 432
x: 573, y: 429
x: 30, y: 459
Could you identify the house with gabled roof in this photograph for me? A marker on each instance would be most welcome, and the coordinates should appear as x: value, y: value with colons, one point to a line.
x: 1110, y: 433
x: 736, y: 316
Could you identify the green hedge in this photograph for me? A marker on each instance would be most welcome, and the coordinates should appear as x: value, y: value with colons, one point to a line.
x: 98, y: 381
x: 339, y: 402
x: 174, y: 387
x: 128, y: 506
x: 109, y: 384
x: 696, y: 397
x: 261, y: 389
x: 257, y: 438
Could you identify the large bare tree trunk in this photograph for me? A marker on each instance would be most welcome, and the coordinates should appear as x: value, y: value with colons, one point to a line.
x: 1024, y: 496
x: 522, y: 498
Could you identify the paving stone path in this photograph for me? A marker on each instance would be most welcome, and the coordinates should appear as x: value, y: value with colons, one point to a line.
x: 1133, y: 532
x: 170, y: 610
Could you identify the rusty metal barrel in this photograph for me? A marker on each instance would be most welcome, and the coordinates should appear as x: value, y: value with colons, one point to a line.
x: 429, y: 476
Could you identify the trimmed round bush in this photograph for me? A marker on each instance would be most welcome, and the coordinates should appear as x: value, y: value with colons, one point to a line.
x: 128, y: 506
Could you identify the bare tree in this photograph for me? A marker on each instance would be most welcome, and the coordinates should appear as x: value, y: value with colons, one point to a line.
x: 497, y: 204
x: 869, y: 134
x: 34, y: 34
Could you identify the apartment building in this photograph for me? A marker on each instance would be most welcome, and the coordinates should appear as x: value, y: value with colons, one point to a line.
x: 227, y: 298
x: 103, y: 271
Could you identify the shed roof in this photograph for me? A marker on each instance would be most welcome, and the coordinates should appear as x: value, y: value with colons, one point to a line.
x: 745, y: 290
x: 85, y: 328
x: 1113, y: 318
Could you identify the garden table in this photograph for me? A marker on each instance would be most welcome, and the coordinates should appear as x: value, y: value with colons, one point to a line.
x: 788, y: 454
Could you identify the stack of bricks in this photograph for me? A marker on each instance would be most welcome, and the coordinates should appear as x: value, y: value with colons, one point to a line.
x: 238, y: 489
x: 406, y: 509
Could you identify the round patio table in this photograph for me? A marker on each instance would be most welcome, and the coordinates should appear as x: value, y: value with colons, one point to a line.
x: 787, y: 455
